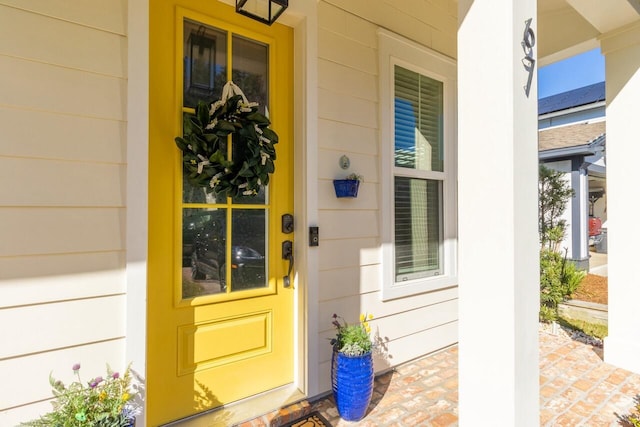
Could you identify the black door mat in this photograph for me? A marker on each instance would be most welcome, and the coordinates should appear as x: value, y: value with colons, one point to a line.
x: 313, y: 419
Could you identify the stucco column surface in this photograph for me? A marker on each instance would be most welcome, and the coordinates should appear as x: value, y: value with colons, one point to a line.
x: 498, y: 240
x: 622, y: 66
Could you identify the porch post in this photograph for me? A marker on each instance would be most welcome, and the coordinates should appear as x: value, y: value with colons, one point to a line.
x: 498, y: 239
x: 622, y: 67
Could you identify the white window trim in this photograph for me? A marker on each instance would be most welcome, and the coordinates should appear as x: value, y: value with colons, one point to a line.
x: 397, y: 50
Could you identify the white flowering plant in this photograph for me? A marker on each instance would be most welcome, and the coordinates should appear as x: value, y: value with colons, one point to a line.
x: 352, y: 339
x: 101, y: 402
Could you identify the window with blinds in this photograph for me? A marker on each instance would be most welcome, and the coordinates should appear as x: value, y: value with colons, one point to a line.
x: 418, y: 178
x: 418, y: 121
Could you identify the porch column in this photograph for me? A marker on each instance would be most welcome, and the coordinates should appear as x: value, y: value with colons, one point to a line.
x: 579, y: 224
x: 498, y: 235
x: 622, y: 64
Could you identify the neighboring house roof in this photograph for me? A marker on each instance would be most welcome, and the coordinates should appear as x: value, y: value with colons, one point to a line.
x: 573, y: 98
x: 570, y: 136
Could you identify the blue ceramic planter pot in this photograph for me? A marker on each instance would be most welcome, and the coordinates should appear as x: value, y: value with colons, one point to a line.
x: 352, y: 383
x: 346, y: 187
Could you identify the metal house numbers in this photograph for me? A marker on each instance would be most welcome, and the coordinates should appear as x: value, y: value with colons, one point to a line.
x: 528, y: 41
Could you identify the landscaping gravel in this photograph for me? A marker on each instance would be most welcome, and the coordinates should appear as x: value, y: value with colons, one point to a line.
x: 556, y: 329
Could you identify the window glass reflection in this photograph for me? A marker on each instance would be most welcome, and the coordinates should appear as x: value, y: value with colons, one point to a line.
x: 249, y: 246
x: 203, y: 252
x: 205, y: 63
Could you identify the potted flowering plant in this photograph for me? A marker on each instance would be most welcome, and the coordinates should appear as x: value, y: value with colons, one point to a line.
x: 352, y: 367
x: 101, y: 402
x: 348, y: 187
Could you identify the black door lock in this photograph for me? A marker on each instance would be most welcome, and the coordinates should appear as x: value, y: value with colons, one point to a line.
x: 287, y: 223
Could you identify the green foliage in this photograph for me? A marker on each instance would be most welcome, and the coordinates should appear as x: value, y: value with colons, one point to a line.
x: 547, y: 314
x: 241, y: 171
x: 354, y: 176
x: 553, y: 195
x: 102, y: 402
x: 591, y: 329
x: 352, y: 340
x: 635, y: 418
x: 559, y: 279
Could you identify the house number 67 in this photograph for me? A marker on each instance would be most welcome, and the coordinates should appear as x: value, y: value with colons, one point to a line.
x: 528, y: 41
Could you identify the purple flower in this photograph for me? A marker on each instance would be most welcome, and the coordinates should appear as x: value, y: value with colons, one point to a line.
x: 115, y: 375
x: 335, y: 316
x: 76, y: 367
x: 94, y: 383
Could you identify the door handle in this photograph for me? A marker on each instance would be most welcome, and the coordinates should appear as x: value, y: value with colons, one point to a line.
x: 287, y: 254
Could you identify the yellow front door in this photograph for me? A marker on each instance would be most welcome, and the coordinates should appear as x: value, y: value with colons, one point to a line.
x: 220, y: 316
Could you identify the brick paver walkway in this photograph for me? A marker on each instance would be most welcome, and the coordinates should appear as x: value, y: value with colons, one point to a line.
x: 576, y: 389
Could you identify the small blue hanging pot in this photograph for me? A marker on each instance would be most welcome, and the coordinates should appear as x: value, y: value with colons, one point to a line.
x: 352, y: 383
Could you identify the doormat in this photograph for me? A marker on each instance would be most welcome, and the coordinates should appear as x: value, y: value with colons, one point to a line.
x: 313, y: 419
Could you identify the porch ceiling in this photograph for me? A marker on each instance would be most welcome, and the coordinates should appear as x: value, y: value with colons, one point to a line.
x: 569, y: 27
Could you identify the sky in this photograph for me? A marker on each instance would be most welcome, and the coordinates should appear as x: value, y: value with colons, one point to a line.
x: 571, y: 73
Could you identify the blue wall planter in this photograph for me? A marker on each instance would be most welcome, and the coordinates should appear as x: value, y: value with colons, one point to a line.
x: 352, y: 384
x: 346, y: 187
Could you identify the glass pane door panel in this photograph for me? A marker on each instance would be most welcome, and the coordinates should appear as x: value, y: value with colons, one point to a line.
x: 250, y: 65
x: 193, y: 194
x: 203, y: 251
x: 249, y: 246
x: 205, y: 63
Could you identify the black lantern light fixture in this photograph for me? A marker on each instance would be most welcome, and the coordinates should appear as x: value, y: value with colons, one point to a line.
x: 202, y: 64
x: 265, y: 11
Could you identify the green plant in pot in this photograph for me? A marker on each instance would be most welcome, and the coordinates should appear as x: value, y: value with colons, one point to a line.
x: 101, y: 402
x: 352, y: 367
x: 348, y: 187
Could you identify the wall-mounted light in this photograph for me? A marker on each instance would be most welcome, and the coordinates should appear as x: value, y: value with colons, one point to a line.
x: 265, y: 11
x: 203, y: 56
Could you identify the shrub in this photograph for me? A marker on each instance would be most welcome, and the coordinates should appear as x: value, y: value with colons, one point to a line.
x: 558, y: 280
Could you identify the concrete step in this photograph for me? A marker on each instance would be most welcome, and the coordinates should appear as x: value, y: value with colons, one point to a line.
x: 586, y: 311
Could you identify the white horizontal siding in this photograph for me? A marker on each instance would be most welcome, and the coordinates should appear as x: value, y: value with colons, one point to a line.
x: 46, y: 135
x: 402, y: 325
x: 350, y: 53
x: 74, y: 45
x: 37, y: 231
x: 367, y: 195
x: 350, y: 256
x: 340, y: 108
x: 44, y: 278
x: 92, y: 358
x: 433, y: 24
x: 351, y: 307
x: 106, y: 15
x: 365, y: 164
x: 348, y: 281
x: 60, y: 325
x: 347, y: 252
x: 352, y: 82
x: 349, y: 224
x: 337, y: 136
x: 61, y: 90
x: 61, y: 183
x: 63, y: 100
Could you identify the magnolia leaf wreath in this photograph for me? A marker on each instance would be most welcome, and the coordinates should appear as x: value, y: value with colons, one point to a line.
x: 205, y: 151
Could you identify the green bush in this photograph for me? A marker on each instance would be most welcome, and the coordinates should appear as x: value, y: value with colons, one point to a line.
x: 559, y: 279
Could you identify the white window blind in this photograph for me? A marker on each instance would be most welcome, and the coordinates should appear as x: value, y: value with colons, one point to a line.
x: 418, y: 200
